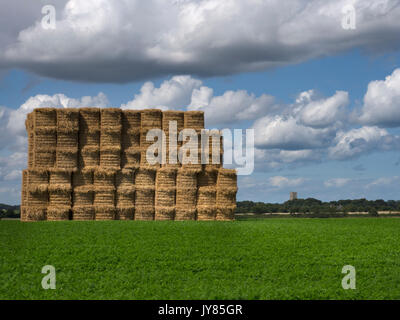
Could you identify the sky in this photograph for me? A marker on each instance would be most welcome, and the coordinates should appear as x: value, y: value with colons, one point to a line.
x: 320, y: 89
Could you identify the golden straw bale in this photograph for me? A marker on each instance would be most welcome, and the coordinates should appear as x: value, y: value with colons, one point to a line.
x: 89, y: 119
x: 186, y: 198
x: 82, y: 177
x: 182, y: 214
x: 45, y: 137
x: 194, y: 120
x: 125, y: 177
x: 60, y: 195
x: 24, y: 194
x: 171, y: 115
x: 60, y: 176
x: 110, y: 157
x: 67, y: 158
x: 227, y: 178
x: 29, y: 122
x: 125, y: 213
x: 166, y: 177
x: 206, y: 213
x: 45, y: 117
x: 187, y: 178
x: 130, y: 139
x: 44, y: 158
x: 206, y: 196
x: 89, y: 157
x: 151, y: 118
x: 110, y: 117
x: 144, y: 196
x: 130, y: 159
x: 145, y: 163
x: 67, y: 139
x: 144, y: 213
x: 226, y: 196
x: 145, y: 177
x: 125, y: 196
x: 83, y: 213
x: 104, y: 196
x: 68, y: 120
x: 35, y: 213
x: 83, y: 195
x: 59, y: 213
x: 130, y: 120
x: 165, y: 197
x: 31, y: 148
x: 104, y: 213
x: 225, y: 213
x: 38, y: 176
x: 87, y: 139
x: 207, y: 178
x: 164, y: 213
x: 110, y: 137
x: 104, y: 177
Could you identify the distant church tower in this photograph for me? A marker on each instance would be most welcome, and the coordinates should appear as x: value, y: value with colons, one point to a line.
x: 293, y: 196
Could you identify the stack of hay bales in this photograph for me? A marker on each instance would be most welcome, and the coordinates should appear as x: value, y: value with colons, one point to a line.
x: 193, y: 120
x: 89, y: 138
x: 130, y: 140
x: 125, y: 194
x: 91, y: 164
x: 110, y: 138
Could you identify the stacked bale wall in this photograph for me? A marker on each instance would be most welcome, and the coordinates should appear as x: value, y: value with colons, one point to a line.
x: 91, y: 164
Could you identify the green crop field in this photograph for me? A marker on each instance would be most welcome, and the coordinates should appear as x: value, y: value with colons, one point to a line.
x: 263, y: 259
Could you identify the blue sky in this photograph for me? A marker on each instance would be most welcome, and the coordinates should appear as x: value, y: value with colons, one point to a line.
x: 347, y: 126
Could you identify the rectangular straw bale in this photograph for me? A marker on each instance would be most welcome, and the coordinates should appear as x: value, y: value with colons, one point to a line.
x: 44, y: 158
x: 130, y: 120
x: 206, y: 196
x: 110, y: 117
x: 104, y: 177
x: 104, y: 196
x: 227, y: 178
x: 59, y: 213
x: 144, y: 162
x: 45, y: 117
x: 45, y: 137
x: 145, y: 177
x: 89, y: 157
x: 89, y: 139
x: 68, y: 120
x: 225, y: 213
x: 60, y: 176
x: 151, y: 118
x: 130, y: 139
x: 226, y: 196
x: 194, y: 120
x: 170, y: 115
x: 164, y: 213
x: 67, y: 139
x: 29, y: 122
x: 35, y: 213
x: 83, y: 196
x: 67, y: 158
x: 110, y: 157
x: 186, y: 198
x: 144, y: 213
x: 144, y: 197
x: 38, y: 176
x: 187, y: 178
x: 82, y: 177
x: 110, y: 137
x: 206, y: 213
x: 166, y: 177
x: 60, y: 195
x: 165, y: 197
x: 89, y: 120
x: 130, y: 159
x: 104, y: 213
x: 125, y: 196
x: 24, y: 195
x: 83, y: 213
x: 207, y: 178
x: 125, y: 213
x: 182, y: 214
x: 125, y: 177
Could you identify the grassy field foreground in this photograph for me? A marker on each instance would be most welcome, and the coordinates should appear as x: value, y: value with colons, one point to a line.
x: 266, y: 259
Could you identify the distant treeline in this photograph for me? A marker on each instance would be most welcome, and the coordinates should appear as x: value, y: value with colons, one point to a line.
x: 314, y: 206
x: 7, y: 211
